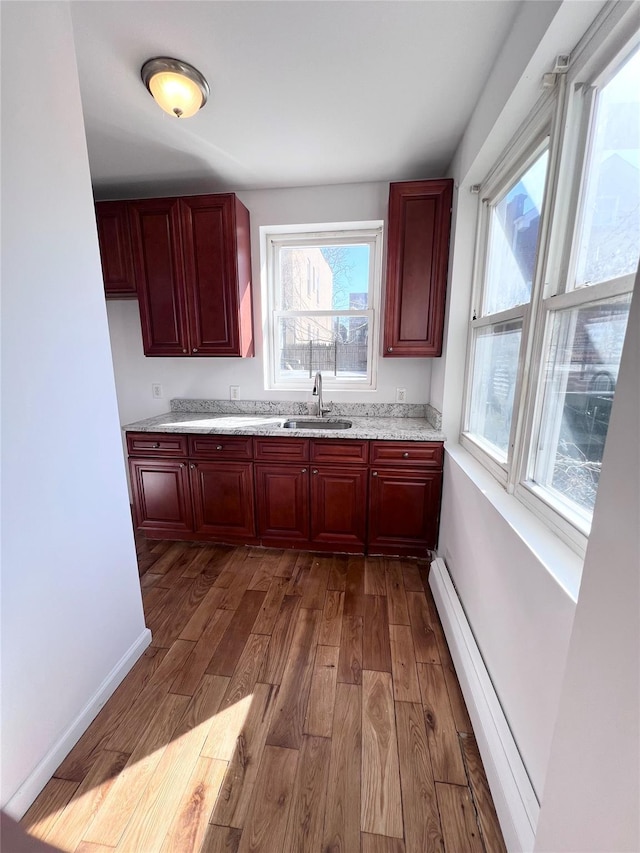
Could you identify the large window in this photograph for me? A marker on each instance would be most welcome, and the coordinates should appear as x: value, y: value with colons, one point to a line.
x: 323, y: 305
x: 557, y: 253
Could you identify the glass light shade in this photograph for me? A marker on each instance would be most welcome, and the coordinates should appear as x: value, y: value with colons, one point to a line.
x: 177, y: 87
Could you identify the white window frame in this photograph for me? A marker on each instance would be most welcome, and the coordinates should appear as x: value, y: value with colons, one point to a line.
x: 273, y: 238
x: 595, y: 60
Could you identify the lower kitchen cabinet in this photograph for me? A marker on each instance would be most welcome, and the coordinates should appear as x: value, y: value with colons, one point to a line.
x: 282, y: 495
x: 339, y: 507
x: 161, y: 496
x: 404, y: 509
x: 222, y: 494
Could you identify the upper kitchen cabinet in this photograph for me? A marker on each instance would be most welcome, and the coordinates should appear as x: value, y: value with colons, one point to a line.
x: 417, y: 263
x: 114, y: 237
x: 192, y: 260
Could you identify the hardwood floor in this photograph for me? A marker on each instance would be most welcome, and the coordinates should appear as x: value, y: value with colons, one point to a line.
x: 289, y: 702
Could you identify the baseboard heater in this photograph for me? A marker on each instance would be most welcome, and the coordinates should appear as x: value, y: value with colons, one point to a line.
x: 515, y: 800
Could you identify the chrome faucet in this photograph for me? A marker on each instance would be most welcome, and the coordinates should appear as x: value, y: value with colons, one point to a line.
x: 317, y: 392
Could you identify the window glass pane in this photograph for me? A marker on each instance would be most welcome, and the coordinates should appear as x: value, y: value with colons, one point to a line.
x: 336, y: 345
x: 513, y: 240
x: 580, y: 379
x: 321, y: 278
x: 609, y: 233
x: 495, y: 368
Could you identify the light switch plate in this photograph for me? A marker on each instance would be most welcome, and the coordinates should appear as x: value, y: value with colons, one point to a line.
x: 156, y: 391
x: 234, y: 392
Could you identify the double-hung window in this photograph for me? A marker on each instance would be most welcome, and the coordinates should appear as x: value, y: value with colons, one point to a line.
x: 557, y: 255
x: 322, y: 305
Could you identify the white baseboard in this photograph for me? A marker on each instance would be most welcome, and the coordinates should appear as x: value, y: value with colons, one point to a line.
x: 513, y: 794
x: 38, y: 778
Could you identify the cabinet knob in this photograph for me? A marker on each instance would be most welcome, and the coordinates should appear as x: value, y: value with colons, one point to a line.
x: 156, y: 444
x: 304, y: 471
x: 182, y: 464
x: 195, y: 349
x: 374, y: 473
x: 184, y: 350
x: 192, y: 465
x: 315, y: 470
x: 218, y: 447
x: 405, y: 455
x: 389, y: 349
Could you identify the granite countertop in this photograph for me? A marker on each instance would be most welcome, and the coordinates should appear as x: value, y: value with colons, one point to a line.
x: 258, y: 423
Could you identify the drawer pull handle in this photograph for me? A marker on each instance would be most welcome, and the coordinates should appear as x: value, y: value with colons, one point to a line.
x: 315, y: 470
x: 304, y: 471
x: 218, y: 447
x: 405, y: 455
x: 374, y: 473
x: 156, y: 444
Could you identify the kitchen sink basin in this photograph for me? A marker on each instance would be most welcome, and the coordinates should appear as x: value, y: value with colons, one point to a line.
x: 308, y: 424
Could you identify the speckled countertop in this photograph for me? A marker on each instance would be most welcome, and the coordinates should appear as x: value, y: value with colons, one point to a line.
x: 242, y: 421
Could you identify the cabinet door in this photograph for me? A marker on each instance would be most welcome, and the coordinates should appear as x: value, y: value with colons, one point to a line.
x: 155, y: 225
x: 216, y: 315
x: 404, y: 508
x: 223, y: 499
x: 339, y: 505
x: 282, y: 495
x: 417, y: 262
x: 114, y: 237
x: 161, y: 497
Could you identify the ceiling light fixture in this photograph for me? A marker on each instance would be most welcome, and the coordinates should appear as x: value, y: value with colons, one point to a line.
x: 177, y: 87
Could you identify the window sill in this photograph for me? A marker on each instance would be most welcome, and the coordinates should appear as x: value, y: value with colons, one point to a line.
x: 559, y: 560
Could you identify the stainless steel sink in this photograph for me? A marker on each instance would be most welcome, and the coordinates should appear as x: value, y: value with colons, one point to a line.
x: 309, y: 424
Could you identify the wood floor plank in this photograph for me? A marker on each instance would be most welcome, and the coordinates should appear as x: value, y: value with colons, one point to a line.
x: 411, y: 576
x: 306, y: 816
x: 350, y: 660
x: 80, y: 811
x: 481, y: 795
x: 419, y: 803
x: 266, y: 826
x: 424, y: 638
x: 221, y: 839
x: 406, y: 687
x: 172, y: 552
x: 281, y: 637
x: 268, y: 613
x: 458, y: 706
x: 381, y: 805
x: 354, y: 590
x: 189, y: 826
x: 199, y: 620
x: 396, y: 595
x: 234, y: 709
x: 300, y: 573
x: 338, y: 573
x: 48, y: 806
x: 156, y: 809
x: 242, y: 573
x: 210, y: 560
x: 381, y: 844
x: 342, y: 814
x: 457, y: 816
x: 180, y: 615
x: 319, y: 717
x: 188, y: 679
x: 79, y: 761
x: 137, y: 716
x: 235, y: 794
x: 374, y: 579
x: 331, y: 624
x: 123, y: 796
x: 316, y: 583
x: 149, y: 580
x: 376, y: 647
x: 230, y: 648
x: 291, y: 706
x: 444, y: 746
x: 263, y: 574
x: 286, y: 564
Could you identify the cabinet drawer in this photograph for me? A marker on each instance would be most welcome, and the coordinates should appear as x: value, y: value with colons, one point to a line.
x: 329, y: 450
x: 282, y: 449
x: 220, y: 447
x: 156, y: 444
x: 407, y: 453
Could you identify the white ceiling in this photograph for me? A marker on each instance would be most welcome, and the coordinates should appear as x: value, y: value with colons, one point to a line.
x: 302, y: 93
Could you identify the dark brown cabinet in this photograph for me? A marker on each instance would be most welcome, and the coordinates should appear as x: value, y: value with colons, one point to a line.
x: 192, y: 263
x: 282, y: 495
x: 339, y: 507
x: 417, y: 264
x: 161, y: 496
x: 116, y: 253
x: 222, y: 495
x: 404, y: 506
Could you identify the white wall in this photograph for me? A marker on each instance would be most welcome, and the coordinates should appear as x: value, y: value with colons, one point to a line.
x: 592, y: 792
x: 211, y: 377
x: 71, y: 607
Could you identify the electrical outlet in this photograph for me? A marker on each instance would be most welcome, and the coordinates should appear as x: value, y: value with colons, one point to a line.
x: 401, y: 395
x: 234, y: 392
x: 156, y: 391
